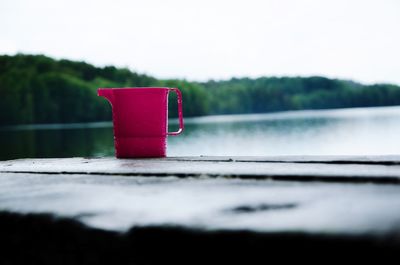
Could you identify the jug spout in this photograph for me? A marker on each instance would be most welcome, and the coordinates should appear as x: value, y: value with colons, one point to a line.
x: 107, y: 93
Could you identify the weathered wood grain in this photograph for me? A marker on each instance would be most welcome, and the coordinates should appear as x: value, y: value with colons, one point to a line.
x: 350, y: 204
x: 330, y: 169
x: 119, y: 203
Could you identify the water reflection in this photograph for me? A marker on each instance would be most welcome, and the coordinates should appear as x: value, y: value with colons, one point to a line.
x: 56, y: 142
x: 329, y: 132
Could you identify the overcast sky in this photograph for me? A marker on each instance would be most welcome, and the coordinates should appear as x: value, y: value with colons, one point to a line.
x: 213, y: 39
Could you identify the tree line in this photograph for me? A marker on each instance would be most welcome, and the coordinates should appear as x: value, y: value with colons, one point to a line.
x: 39, y: 89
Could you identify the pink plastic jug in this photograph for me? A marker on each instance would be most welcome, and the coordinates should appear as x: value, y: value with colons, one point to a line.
x: 140, y: 118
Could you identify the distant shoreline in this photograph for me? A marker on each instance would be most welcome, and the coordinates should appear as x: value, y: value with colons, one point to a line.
x: 37, y: 89
x: 214, y: 118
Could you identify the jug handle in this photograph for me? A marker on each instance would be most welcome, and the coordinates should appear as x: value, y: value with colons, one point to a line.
x: 180, y: 112
x: 106, y: 93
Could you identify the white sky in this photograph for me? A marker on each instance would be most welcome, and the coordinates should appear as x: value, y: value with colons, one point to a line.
x: 219, y: 39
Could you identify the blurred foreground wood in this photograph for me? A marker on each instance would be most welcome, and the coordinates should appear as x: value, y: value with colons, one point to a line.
x: 199, y: 209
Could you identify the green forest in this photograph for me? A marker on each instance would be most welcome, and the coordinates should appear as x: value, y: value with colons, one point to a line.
x: 39, y: 89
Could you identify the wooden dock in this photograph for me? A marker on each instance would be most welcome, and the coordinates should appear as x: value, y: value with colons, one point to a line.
x: 231, y: 207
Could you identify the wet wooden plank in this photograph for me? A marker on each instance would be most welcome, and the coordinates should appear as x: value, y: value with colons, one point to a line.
x: 284, y: 204
x: 379, y: 160
x: 118, y: 203
x: 332, y: 169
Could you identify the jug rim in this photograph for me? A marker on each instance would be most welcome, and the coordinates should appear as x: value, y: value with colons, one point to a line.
x: 123, y: 88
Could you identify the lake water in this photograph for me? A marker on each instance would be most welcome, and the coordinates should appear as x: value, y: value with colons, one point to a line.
x: 357, y: 131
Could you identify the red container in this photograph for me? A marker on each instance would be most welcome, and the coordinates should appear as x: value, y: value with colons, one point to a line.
x: 140, y: 118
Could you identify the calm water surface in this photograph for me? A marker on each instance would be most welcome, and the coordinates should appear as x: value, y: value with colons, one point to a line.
x: 324, y: 132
